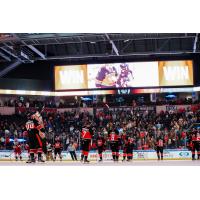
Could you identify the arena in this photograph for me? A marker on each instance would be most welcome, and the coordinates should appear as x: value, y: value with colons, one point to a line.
x: 109, y: 96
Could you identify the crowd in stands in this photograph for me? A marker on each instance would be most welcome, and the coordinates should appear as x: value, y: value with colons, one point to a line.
x: 73, y: 103
x: 143, y: 126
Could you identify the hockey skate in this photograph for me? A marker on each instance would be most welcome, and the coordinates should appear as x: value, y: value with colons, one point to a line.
x: 86, y: 162
x: 41, y: 160
x: 116, y: 160
x: 30, y: 161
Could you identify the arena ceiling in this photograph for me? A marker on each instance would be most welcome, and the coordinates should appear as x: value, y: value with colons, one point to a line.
x: 19, y: 48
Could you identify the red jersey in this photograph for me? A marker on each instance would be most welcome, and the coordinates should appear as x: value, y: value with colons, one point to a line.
x: 100, y: 142
x: 145, y: 146
x: 160, y: 143
x: 126, y: 142
x: 86, y: 135
x: 17, y: 148
x: 195, y: 138
x: 142, y: 134
x: 166, y: 138
x: 57, y: 145
x: 131, y: 140
x: 113, y: 137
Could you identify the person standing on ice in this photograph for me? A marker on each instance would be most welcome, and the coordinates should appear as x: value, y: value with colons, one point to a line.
x: 159, y: 147
x: 36, y: 133
x: 86, y: 138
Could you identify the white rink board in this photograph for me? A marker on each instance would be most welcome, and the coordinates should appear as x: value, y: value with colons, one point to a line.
x: 107, y: 155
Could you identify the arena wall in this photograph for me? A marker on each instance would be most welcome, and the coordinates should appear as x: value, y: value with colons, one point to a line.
x: 169, y: 154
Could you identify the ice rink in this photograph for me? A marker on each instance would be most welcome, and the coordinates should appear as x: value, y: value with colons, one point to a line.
x: 106, y: 163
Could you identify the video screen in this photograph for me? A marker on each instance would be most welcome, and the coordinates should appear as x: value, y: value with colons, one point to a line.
x: 124, y: 75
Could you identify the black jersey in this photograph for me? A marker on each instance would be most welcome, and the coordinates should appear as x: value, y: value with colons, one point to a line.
x: 32, y: 126
x: 100, y: 141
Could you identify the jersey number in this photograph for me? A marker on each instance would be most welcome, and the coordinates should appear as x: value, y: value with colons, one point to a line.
x: 29, y: 126
x: 112, y: 137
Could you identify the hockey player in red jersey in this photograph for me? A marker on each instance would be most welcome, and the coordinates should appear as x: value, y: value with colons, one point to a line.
x: 195, y: 144
x: 17, y: 150
x: 57, y: 149
x: 114, y: 143
x: 86, y: 138
x: 100, y: 145
x: 159, y: 147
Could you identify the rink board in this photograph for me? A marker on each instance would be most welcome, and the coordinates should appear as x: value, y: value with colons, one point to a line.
x: 175, y: 154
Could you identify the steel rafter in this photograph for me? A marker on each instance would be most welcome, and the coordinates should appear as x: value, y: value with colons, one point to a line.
x: 113, y: 44
x: 50, y: 46
x: 9, y: 68
x: 4, y: 56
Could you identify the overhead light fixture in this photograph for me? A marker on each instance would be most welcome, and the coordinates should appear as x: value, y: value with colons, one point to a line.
x: 126, y: 40
x: 92, y: 42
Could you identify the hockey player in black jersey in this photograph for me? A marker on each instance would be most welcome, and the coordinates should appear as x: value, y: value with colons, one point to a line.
x: 36, y: 133
x: 100, y: 146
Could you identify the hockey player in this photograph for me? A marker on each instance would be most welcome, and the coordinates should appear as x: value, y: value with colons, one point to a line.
x: 114, y: 143
x: 125, y: 143
x: 35, y: 134
x: 38, y: 117
x: 86, y: 138
x: 57, y: 149
x: 49, y: 154
x: 195, y: 144
x: 106, y: 77
x: 17, y: 150
x: 124, y: 77
x: 128, y: 149
x: 100, y: 146
x: 159, y: 147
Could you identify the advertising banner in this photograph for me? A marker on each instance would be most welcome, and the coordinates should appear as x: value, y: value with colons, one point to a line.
x: 62, y: 110
x: 138, y: 108
x: 20, y: 110
x: 173, y: 108
x: 7, y: 110
x: 107, y: 155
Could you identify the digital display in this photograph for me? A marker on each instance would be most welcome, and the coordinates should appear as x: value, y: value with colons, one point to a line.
x: 124, y: 75
x: 175, y: 73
